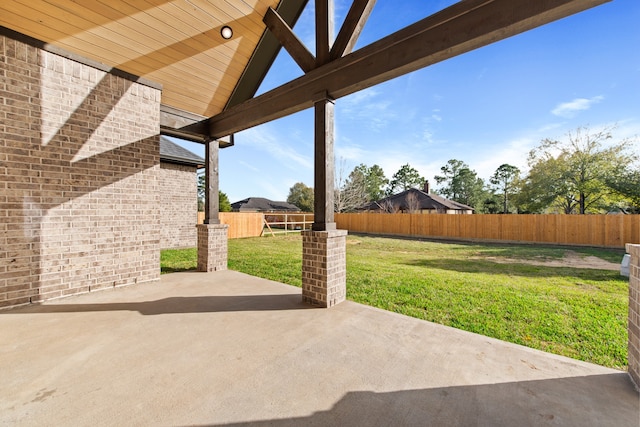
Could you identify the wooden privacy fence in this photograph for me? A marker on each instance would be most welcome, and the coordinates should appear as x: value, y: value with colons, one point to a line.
x: 251, y: 224
x: 241, y: 224
x: 589, y: 230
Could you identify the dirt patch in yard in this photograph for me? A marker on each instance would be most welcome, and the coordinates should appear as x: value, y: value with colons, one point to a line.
x: 571, y: 259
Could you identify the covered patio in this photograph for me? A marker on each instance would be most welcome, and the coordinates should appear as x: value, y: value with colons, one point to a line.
x: 225, y: 348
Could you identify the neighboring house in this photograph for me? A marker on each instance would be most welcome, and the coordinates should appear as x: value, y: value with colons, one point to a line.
x: 260, y: 204
x: 418, y: 201
x: 178, y: 185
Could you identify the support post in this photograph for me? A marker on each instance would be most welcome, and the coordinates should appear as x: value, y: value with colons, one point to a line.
x: 211, y: 179
x: 212, y: 236
x: 323, y: 166
x: 634, y: 314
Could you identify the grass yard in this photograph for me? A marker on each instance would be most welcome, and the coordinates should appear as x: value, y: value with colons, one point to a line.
x: 525, y: 294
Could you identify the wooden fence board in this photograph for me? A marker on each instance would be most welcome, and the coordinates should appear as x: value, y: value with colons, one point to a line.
x: 589, y: 230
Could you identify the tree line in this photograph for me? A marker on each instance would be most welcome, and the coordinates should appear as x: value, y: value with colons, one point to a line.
x: 584, y: 173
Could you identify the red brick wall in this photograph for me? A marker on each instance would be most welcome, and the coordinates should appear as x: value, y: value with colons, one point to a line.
x: 179, y: 199
x: 79, y: 159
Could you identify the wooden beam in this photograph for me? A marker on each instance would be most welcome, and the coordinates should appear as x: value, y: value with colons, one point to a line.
x: 289, y: 41
x: 351, y: 28
x: 211, y: 183
x: 465, y: 26
x: 264, y: 55
x: 324, y: 30
x: 323, y: 171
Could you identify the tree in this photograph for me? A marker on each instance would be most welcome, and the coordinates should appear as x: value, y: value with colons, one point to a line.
x: 223, y: 199
x: 461, y: 184
x: 542, y: 188
x: 349, y: 193
x: 376, y: 182
x: 577, y: 169
x: 301, y: 196
x: 406, y: 178
x: 627, y: 184
x: 505, y: 177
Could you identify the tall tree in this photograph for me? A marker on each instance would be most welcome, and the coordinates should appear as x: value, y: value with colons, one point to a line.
x: 627, y: 184
x: 375, y: 182
x: 350, y: 193
x: 505, y: 178
x: 461, y: 184
x: 406, y: 178
x: 543, y: 188
x: 580, y: 166
x: 301, y: 196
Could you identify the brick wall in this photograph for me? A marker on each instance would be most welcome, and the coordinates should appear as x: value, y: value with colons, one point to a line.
x: 634, y: 314
x: 179, y: 200
x: 79, y: 160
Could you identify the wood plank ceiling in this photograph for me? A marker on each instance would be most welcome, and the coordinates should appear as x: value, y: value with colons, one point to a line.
x: 176, y: 43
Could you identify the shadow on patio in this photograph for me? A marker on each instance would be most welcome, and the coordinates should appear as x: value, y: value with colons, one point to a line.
x: 225, y: 348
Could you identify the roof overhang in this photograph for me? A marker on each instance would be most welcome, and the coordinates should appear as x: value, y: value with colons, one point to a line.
x: 176, y: 44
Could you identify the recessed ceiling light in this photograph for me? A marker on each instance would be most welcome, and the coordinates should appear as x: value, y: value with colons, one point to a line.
x: 226, y: 32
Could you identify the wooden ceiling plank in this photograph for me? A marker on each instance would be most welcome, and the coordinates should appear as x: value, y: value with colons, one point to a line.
x: 153, y: 31
x: 465, y: 26
x: 351, y: 28
x: 289, y: 41
x: 226, y: 14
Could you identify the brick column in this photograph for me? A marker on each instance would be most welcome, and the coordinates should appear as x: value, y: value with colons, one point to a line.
x: 324, y: 267
x: 634, y: 313
x: 212, y: 247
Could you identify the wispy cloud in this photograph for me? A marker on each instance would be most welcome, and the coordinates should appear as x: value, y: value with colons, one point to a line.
x: 262, y: 138
x: 248, y: 166
x: 572, y: 108
x: 367, y: 108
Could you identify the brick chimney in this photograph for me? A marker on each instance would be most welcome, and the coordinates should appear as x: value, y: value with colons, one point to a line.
x: 426, y: 186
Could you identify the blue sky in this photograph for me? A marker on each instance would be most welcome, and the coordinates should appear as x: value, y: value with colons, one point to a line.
x: 487, y: 107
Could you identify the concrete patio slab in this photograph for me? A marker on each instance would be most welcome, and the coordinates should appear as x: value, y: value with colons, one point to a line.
x: 225, y: 348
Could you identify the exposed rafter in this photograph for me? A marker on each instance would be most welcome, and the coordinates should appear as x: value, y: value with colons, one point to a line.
x: 289, y: 41
x: 351, y: 28
x: 465, y: 26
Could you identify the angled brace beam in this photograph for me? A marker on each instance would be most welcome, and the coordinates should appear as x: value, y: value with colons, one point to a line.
x: 289, y: 41
x: 351, y: 28
x: 460, y: 28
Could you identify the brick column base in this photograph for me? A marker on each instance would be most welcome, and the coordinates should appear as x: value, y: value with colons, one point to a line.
x: 634, y: 313
x: 212, y: 247
x: 324, y: 267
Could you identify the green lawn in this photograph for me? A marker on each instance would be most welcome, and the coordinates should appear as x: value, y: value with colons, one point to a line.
x: 576, y: 312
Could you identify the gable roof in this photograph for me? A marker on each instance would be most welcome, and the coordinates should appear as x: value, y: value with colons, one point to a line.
x: 173, y: 153
x: 260, y: 204
x: 426, y: 201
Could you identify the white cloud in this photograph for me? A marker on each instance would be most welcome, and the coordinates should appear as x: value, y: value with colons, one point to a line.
x: 262, y: 138
x: 248, y: 166
x: 572, y: 108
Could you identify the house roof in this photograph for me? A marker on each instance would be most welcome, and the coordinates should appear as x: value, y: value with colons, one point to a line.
x: 260, y: 204
x: 425, y: 201
x: 173, y: 153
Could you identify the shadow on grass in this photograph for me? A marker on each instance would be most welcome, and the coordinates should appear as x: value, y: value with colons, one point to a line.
x: 514, y: 269
x: 166, y: 270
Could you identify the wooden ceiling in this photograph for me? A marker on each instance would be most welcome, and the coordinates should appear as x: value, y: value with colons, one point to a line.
x: 176, y: 43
